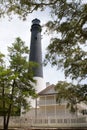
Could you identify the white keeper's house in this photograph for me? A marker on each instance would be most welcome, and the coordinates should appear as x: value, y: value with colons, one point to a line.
x: 49, y: 113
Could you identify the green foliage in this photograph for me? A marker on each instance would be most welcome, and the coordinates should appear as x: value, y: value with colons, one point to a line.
x: 73, y: 94
x: 22, y: 7
x: 16, y: 81
x: 68, y: 51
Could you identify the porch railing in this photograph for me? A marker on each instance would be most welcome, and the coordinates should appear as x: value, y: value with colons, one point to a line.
x: 60, y: 122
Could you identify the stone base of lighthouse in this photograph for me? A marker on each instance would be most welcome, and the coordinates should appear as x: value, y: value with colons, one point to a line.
x: 39, y: 85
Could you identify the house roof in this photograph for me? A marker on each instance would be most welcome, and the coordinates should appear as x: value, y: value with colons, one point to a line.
x: 48, y: 90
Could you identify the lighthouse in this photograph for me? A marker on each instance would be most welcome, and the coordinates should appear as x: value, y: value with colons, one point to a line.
x: 36, y: 54
x: 36, y: 57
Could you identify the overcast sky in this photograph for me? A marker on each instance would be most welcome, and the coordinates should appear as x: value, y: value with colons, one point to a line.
x: 9, y: 30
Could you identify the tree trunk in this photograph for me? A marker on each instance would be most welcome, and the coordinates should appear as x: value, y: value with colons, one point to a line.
x: 5, y: 127
x: 4, y: 111
x: 4, y: 122
x: 7, y: 116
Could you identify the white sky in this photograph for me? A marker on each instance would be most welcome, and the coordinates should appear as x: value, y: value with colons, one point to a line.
x: 9, y: 30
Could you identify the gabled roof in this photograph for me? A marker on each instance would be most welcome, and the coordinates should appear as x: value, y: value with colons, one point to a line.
x: 48, y: 90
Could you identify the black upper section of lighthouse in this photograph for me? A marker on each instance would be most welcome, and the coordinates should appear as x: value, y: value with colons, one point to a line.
x: 35, y: 48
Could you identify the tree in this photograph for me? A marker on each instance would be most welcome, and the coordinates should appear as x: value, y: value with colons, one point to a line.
x: 67, y: 51
x: 15, y: 82
x: 73, y: 94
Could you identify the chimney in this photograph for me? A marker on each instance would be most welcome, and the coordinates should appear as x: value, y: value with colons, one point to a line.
x: 47, y: 84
